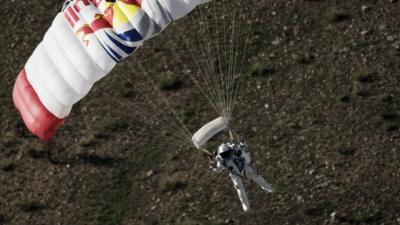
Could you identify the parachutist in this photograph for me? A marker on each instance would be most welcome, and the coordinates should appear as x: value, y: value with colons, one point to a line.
x: 236, y: 159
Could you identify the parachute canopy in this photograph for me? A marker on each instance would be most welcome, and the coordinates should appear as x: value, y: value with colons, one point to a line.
x: 84, y: 43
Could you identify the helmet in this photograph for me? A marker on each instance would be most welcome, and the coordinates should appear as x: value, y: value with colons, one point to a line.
x: 224, y: 151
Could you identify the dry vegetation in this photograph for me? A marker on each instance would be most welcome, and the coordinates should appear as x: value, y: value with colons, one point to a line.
x: 320, y: 108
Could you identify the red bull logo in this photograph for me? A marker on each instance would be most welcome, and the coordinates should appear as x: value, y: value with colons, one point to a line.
x: 110, y: 10
x: 130, y: 2
x: 105, y: 20
x: 83, y: 32
x: 98, y: 23
x: 117, y: 44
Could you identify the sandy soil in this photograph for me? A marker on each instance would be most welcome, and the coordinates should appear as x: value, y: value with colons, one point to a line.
x: 320, y: 108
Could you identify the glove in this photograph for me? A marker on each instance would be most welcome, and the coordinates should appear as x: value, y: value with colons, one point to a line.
x: 242, y: 141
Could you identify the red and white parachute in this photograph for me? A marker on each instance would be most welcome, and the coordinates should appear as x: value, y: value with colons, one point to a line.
x: 86, y: 40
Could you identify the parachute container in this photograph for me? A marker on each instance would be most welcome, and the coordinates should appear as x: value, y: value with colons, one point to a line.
x: 209, y: 130
x: 84, y: 43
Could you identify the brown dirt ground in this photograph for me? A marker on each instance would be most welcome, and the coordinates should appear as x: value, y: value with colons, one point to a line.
x: 328, y: 140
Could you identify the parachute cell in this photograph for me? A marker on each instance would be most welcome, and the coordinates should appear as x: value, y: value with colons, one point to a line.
x: 84, y: 43
x: 34, y: 114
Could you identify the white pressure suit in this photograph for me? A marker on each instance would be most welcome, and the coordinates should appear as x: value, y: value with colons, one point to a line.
x: 237, y: 160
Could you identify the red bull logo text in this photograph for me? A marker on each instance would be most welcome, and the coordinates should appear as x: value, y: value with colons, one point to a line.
x: 117, y: 44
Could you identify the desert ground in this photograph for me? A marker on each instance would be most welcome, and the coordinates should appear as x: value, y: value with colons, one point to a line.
x: 319, y: 106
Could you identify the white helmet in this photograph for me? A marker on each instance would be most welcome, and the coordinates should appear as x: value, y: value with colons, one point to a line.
x: 224, y: 151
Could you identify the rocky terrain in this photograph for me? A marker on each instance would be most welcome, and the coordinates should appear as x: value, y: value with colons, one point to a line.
x: 319, y: 105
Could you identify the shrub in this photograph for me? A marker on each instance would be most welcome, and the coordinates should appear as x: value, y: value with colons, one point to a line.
x: 88, y: 142
x: 259, y: 70
x: 28, y: 205
x: 169, y: 82
x: 303, y: 58
x: 365, y: 76
x: 336, y: 16
x: 172, y: 184
x: 6, y: 165
x: 36, y: 154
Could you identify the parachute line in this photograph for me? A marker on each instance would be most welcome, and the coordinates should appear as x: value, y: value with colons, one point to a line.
x: 219, y: 54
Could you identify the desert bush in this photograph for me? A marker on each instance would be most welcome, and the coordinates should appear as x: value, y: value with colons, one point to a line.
x: 365, y: 76
x: 28, y: 205
x: 172, y: 184
x: 336, y: 16
x: 36, y: 154
x: 169, y: 82
x: 259, y: 70
x: 6, y: 165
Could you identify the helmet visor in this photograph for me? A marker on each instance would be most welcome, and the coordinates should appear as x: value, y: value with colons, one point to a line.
x: 226, y: 154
